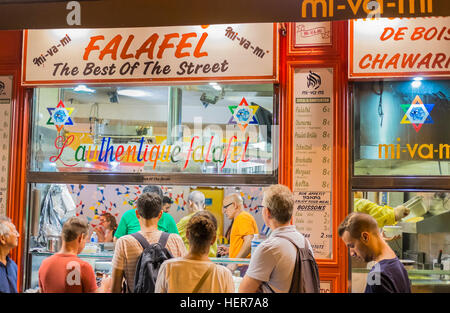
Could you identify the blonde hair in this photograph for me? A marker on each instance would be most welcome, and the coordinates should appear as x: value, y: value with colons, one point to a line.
x: 280, y: 202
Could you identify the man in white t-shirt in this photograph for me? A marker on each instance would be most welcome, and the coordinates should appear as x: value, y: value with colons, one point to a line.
x: 274, y: 259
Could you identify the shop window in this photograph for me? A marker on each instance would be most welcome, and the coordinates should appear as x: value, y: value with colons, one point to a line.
x: 401, y: 128
x: 419, y: 236
x: 211, y: 128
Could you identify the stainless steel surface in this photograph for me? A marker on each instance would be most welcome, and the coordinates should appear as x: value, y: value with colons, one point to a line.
x: 35, y: 211
x: 174, y: 132
x: 434, y: 224
x: 53, y: 243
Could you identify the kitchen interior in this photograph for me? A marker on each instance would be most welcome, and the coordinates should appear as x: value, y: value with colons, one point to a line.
x: 420, y: 240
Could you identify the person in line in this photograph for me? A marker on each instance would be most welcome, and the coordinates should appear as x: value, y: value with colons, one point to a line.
x: 65, y: 272
x: 196, y: 203
x: 360, y: 233
x: 129, y: 223
x: 106, y: 228
x: 195, y: 272
x: 272, y: 265
x: 128, y: 249
x: 242, y: 231
x: 167, y: 202
x: 9, y: 239
x: 384, y: 215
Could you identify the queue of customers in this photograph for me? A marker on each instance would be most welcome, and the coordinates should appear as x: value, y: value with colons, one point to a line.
x: 284, y: 262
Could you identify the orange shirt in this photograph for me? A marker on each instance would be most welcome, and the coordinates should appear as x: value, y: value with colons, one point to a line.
x: 244, y: 224
x: 66, y: 273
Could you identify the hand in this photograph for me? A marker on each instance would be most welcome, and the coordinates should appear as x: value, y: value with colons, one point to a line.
x: 232, y: 267
x: 105, y: 285
x: 400, y: 212
x: 223, y: 250
x: 390, y: 238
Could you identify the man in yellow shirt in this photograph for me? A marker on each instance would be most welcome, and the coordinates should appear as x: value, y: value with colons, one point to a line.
x: 196, y: 203
x: 243, y: 229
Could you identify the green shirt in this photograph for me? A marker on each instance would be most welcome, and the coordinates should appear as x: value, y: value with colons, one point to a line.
x: 182, y: 226
x: 129, y: 224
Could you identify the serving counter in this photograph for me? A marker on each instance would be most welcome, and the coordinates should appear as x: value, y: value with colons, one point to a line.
x: 101, y: 263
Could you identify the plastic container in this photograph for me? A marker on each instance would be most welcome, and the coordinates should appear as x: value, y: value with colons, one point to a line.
x: 416, y: 207
x: 94, y: 237
x: 392, y: 231
x: 257, y: 239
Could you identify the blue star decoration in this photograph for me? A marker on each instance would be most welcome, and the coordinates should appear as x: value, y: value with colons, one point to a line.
x: 60, y: 116
x: 417, y: 113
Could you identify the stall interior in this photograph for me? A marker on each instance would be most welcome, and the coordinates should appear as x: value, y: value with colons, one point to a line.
x: 421, y: 240
x: 53, y: 204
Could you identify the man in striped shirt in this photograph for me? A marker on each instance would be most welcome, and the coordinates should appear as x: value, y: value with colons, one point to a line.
x: 128, y: 249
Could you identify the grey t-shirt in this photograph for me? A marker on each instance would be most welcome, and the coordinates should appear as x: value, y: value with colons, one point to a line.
x: 274, y: 259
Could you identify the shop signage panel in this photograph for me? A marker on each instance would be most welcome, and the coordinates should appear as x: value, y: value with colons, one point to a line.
x: 399, y: 47
x: 44, y: 14
x: 228, y: 52
x: 313, y: 157
x: 6, y: 83
x: 312, y: 34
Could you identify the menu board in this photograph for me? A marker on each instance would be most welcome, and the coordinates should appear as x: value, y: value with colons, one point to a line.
x: 5, y: 122
x: 313, y: 156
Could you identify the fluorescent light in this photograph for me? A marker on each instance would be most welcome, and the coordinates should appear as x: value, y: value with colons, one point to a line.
x: 416, y: 84
x: 133, y: 93
x: 215, y: 86
x: 83, y: 88
x: 418, y: 78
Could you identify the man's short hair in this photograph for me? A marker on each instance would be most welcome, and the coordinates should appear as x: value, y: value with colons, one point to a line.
x: 167, y: 200
x: 280, y: 202
x: 153, y: 188
x: 356, y: 223
x: 4, y: 228
x: 74, y: 227
x: 149, y: 205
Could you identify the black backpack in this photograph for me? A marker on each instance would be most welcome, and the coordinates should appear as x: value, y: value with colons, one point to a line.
x: 149, y: 262
x: 305, y: 278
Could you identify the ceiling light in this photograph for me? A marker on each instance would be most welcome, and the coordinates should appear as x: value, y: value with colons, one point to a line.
x: 215, y: 86
x: 133, y: 93
x: 416, y: 83
x: 83, y: 88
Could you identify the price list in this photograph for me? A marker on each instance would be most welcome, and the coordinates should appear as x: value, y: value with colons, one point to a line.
x: 5, y: 124
x: 313, y: 157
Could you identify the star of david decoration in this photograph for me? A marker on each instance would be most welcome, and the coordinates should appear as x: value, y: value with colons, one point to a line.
x: 243, y: 114
x: 417, y: 113
x: 60, y: 116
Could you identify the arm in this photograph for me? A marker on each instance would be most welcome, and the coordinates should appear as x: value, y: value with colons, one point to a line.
x: 249, y: 285
x: 245, y: 250
x: 161, y: 282
x: 384, y: 215
x: 116, y: 283
x: 246, y: 247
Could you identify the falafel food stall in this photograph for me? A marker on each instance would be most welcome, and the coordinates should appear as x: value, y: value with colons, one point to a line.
x: 114, y: 110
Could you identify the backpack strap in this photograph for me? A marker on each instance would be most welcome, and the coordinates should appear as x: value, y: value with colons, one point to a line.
x: 202, y: 280
x: 144, y: 243
x: 163, y: 239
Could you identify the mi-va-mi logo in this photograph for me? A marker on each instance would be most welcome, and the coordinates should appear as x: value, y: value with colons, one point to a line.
x: 417, y: 113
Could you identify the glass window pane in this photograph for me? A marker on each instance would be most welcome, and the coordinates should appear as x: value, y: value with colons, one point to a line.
x: 402, y: 128
x: 211, y: 128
